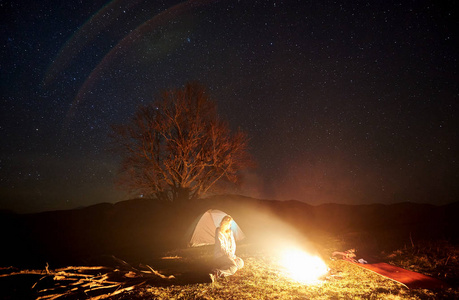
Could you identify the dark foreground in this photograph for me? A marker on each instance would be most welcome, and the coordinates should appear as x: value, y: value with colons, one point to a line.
x: 141, y: 232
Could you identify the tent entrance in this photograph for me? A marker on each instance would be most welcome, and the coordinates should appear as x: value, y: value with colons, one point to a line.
x: 203, y: 229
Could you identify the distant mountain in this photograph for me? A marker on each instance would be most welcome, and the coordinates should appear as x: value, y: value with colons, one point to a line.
x: 141, y: 228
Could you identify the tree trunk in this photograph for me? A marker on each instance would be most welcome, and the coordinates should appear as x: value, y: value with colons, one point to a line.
x: 183, y: 195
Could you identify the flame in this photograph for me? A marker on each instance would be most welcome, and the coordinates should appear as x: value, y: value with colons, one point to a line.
x: 303, y: 267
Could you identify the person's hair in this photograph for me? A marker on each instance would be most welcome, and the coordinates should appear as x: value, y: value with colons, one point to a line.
x: 226, y: 219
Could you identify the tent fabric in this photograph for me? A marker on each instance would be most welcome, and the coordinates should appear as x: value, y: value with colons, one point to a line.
x: 203, y: 229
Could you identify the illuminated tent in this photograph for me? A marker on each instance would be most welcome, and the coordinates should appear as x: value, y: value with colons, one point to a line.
x: 203, y: 229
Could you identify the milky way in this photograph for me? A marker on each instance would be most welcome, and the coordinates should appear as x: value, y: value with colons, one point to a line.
x: 347, y: 102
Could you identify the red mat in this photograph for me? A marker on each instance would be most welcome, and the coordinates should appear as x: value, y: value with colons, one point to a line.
x: 410, y: 279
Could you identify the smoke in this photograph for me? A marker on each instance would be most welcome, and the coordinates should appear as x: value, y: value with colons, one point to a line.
x: 263, y: 226
x: 332, y: 179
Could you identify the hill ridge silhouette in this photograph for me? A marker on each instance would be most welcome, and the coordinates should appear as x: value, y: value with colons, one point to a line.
x: 136, y: 229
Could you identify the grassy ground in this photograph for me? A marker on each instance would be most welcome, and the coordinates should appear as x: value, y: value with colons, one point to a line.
x: 261, y: 278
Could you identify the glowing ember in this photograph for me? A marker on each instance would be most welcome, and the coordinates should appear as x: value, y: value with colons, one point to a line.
x: 302, y: 266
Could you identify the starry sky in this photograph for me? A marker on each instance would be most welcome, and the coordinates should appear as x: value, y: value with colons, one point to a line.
x: 350, y: 102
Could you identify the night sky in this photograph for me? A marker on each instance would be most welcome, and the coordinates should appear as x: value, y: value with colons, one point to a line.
x: 348, y: 102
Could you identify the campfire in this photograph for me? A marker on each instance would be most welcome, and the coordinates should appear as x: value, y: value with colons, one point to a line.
x: 302, y: 266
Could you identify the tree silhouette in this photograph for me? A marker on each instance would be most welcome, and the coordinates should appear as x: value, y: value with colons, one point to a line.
x: 177, y: 148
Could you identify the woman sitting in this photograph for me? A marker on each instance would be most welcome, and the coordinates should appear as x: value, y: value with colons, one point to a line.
x: 226, y: 261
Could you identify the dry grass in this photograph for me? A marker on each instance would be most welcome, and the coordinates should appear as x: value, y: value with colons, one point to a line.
x: 261, y: 279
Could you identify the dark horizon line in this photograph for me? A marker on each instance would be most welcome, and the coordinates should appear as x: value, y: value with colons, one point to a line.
x: 4, y: 211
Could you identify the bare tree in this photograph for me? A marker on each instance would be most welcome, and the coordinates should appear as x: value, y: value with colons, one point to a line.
x: 177, y: 148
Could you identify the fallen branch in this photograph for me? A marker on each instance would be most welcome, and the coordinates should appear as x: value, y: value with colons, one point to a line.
x: 25, y: 272
x: 157, y: 273
x: 97, y: 282
x: 117, y: 292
